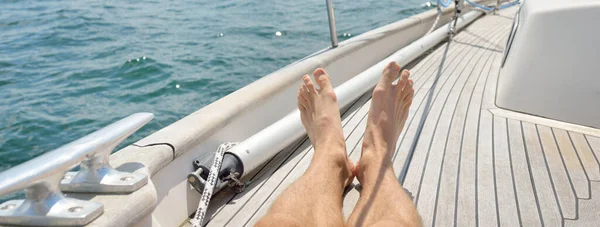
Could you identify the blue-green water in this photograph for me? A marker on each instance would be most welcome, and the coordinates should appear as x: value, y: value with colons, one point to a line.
x: 68, y: 68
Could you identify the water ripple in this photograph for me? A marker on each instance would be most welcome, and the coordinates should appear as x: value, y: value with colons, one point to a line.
x: 68, y: 68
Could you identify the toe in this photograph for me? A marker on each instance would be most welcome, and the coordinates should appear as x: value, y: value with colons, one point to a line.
x: 408, y: 92
x: 390, y: 72
x: 404, y: 78
x: 322, y: 79
x: 403, y: 83
x: 305, y: 94
x: 309, y: 84
x: 301, y: 99
x: 301, y: 108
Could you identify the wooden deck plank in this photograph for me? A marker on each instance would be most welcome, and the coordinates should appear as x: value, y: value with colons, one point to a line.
x: 278, y: 170
x: 231, y: 205
x: 594, y: 144
x: 228, y: 206
x: 590, y: 163
x: 447, y: 198
x: 300, y: 167
x: 487, y: 204
x: 415, y: 111
x: 432, y: 111
x: 421, y: 150
x: 572, y: 164
x: 418, y: 111
x: 422, y: 72
x: 527, y: 198
x: 549, y: 207
x: 268, y: 188
x: 470, y: 167
x: 352, y: 195
x: 467, y: 212
x: 592, y: 206
x: 431, y: 173
x: 507, y: 205
x: 353, y: 147
x: 420, y: 117
x: 564, y: 190
x: 427, y: 73
x: 486, y: 179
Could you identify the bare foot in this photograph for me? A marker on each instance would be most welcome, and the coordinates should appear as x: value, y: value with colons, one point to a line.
x: 321, y: 118
x: 389, y: 110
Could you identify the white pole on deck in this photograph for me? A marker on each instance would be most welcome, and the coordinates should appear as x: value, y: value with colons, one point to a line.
x: 265, y: 144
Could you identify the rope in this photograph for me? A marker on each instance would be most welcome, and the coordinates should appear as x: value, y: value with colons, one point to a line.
x: 211, y: 181
x: 509, y: 4
x: 439, y: 9
x: 486, y: 8
x: 444, y: 4
x: 481, y: 6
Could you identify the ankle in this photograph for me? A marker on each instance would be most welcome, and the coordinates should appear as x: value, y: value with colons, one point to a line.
x: 333, y: 168
x: 330, y: 150
x: 372, y: 164
x: 375, y: 140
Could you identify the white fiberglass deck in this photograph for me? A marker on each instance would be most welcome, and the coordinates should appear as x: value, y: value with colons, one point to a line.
x: 473, y: 164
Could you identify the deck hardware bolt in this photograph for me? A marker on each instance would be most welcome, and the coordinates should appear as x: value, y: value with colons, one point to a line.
x: 76, y: 209
x: 191, y: 179
x: 8, y: 207
x: 127, y: 178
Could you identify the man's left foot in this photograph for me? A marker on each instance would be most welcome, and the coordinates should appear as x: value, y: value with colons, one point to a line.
x: 321, y: 118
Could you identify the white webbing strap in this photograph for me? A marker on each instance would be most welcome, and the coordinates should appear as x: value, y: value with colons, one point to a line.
x: 211, y: 181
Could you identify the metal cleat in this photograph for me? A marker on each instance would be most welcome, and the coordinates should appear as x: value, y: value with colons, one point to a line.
x: 40, y: 178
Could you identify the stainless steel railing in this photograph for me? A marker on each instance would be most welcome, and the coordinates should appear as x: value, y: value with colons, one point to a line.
x: 43, y: 178
x: 332, y: 30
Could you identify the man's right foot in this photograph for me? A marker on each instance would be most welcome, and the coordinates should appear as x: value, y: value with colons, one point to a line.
x: 388, y: 113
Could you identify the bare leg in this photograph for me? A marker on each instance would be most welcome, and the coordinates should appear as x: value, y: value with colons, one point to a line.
x: 383, y: 201
x: 316, y: 198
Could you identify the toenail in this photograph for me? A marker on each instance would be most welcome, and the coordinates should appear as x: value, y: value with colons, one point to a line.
x: 319, y: 71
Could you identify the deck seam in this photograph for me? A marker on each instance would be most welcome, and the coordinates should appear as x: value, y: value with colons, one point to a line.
x: 477, y: 149
x: 483, y: 95
x: 421, y: 102
x: 465, y: 126
x: 445, y: 144
x: 512, y: 173
x: 582, y: 167
x: 280, y: 165
x: 291, y: 170
x: 568, y: 176
x: 429, y: 107
x: 531, y: 178
x: 591, y: 150
x: 560, y: 209
x: 263, y: 183
x: 459, y: 128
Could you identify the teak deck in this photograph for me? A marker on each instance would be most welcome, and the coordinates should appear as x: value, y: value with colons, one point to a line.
x: 473, y: 164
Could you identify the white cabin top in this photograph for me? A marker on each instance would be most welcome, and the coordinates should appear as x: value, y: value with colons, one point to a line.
x: 551, y: 67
